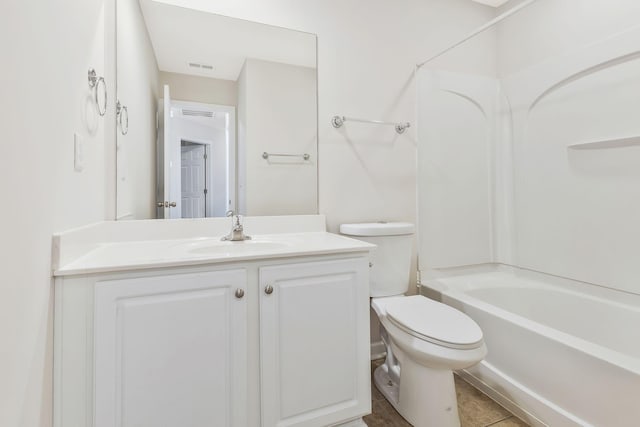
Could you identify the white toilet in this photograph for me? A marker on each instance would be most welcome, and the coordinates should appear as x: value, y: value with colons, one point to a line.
x: 426, y: 340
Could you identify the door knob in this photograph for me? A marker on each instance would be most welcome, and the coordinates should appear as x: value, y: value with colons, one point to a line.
x: 268, y: 290
x: 239, y: 293
x: 166, y: 204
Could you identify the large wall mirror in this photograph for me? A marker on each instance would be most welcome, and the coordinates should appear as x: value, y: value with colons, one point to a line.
x: 214, y: 114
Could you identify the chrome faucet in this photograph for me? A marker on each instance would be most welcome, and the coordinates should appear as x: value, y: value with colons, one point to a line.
x: 237, y: 231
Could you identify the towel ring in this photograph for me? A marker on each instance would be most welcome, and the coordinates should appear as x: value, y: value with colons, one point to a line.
x: 95, y: 83
x: 122, y: 111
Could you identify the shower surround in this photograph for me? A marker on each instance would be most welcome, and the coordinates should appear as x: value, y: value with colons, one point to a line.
x: 528, y: 218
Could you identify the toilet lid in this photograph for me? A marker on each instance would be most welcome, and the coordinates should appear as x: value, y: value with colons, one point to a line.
x: 434, y: 322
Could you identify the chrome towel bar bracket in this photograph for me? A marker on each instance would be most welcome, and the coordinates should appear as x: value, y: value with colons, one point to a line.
x: 96, y: 83
x: 304, y: 156
x: 122, y: 112
x: 338, y: 121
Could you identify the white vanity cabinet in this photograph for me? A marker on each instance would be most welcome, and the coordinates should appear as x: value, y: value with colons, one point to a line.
x: 259, y: 343
x: 312, y: 324
x: 171, y: 350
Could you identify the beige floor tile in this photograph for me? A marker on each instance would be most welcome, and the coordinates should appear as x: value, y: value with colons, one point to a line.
x: 383, y: 415
x: 375, y: 393
x: 475, y: 408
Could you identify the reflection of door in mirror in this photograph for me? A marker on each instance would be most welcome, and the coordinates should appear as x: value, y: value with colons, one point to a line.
x: 238, y: 89
x: 163, y: 158
x: 193, y: 189
x: 201, y: 139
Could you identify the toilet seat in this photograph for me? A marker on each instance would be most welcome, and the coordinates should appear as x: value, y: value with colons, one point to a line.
x: 433, y: 322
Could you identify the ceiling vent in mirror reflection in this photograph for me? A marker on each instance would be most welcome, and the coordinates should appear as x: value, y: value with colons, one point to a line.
x: 202, y: 66
x: 198, y: 113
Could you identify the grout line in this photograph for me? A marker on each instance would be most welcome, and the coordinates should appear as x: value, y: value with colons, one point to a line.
x: 495, y: 402
x: 499, y: 421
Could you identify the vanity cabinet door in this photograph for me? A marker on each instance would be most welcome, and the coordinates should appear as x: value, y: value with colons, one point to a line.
x: 171, y: 351
x: 314, y: 343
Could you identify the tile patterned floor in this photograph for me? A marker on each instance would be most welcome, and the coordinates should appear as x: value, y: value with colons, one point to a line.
x: 475, y: 409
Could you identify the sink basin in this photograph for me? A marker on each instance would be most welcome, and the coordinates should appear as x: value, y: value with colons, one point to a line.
x: 234, y: 248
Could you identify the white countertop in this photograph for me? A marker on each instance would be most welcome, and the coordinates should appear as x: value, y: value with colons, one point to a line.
x: 143, y: 254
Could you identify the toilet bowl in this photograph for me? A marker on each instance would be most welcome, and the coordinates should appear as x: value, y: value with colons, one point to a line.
x: 425, y: 340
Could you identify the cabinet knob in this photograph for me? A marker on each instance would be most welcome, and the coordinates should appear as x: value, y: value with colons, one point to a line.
x: 239, y: 293
x: 268, y: 290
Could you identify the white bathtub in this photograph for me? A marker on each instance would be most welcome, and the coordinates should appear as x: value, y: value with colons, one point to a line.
x: 561, y: 353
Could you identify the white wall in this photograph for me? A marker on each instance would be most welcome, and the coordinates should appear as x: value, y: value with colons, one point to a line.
x: 138, y: 89
x: 552, y: 209
x: 550, y: 28
x: 457, y: 116
x: 47, y: 48
x: 279, y: 113
x: 185, y: 87
x: 575, y: 211
x: 241, y: 120
x: 367, y: 53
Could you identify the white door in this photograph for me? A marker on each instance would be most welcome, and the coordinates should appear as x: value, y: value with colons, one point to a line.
x: 163, y: 160
x: 171, y: 351
x: 193, y: 183
x: 314, y: 343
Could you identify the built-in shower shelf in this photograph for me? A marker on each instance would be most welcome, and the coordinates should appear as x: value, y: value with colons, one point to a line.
x: 608, y: 143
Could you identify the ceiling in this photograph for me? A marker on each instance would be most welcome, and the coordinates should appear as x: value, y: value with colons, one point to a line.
x: 181, y: 36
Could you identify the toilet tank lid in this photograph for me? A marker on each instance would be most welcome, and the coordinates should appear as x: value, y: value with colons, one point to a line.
x: 378, y: 229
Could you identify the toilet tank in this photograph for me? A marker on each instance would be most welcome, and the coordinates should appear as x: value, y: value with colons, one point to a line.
x: 391, y: 260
